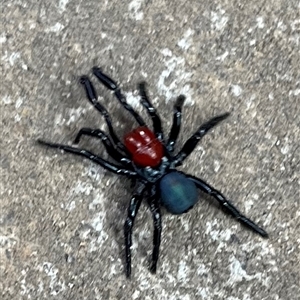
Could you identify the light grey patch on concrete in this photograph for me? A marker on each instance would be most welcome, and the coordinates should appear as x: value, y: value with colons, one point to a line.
x: 174, y: 65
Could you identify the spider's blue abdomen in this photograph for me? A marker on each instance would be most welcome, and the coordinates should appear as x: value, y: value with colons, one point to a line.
x: 178, y: 193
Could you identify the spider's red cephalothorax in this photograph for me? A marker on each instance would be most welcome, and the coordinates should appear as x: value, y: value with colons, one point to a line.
x: 145, y: 148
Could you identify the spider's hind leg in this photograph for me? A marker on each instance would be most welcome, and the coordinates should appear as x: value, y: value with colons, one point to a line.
x: 133, y: 208
x: 227, y: 206
x: 156, y: 215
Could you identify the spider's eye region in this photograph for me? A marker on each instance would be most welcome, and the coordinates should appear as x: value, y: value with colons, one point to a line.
x: 134, y: 143
x: 145, y: 148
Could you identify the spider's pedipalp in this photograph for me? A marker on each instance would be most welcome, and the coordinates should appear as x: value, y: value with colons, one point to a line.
x: 157, y: 128
x: 112, y: 85
x: 109, y: 146
x: 104, y: 79
x: 176, y: 123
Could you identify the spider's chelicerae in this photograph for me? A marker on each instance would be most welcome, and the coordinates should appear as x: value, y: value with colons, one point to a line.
x: 147, y: 157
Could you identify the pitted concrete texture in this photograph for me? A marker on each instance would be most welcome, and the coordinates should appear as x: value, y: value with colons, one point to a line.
x: 62, y: 216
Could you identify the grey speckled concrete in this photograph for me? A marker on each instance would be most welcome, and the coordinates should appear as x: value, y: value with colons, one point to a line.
x: 62, y: 217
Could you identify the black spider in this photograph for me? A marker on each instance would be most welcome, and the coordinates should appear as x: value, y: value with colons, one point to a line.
x: 147, y: 158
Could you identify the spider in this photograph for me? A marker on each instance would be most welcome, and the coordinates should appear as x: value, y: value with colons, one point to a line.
x: 148, y: 158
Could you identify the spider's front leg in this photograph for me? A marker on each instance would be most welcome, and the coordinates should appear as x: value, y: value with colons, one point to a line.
x: 227, y: 206
x: 133, y: 208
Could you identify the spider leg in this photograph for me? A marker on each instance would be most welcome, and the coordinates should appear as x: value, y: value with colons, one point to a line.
x: 109, y: 146
x: 91, y: 156
x: 227, y: 206
x: 92, y: 97
x: 176, y: 123
x: 133, y: 208
x: 155, y: 210
x: 112, y: 85
x: 151, y: 111
x: 192, y: 142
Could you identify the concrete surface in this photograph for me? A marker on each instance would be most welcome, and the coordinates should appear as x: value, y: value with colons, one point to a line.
x: 62, y: 216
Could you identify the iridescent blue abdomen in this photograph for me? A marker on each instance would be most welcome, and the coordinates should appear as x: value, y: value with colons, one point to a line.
x: 178, y: 193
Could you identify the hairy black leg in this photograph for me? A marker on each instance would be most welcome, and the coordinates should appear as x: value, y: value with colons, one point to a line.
x: 133, y: 208
x: 92, y: 97
x: 227, y: 206
x: 192, y: 142
x: 155, y: 210
x: 110, y: 148
x: 176, y: 124
x: 151, y: 111
x: 112, y: 85
x: 91, y: 156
